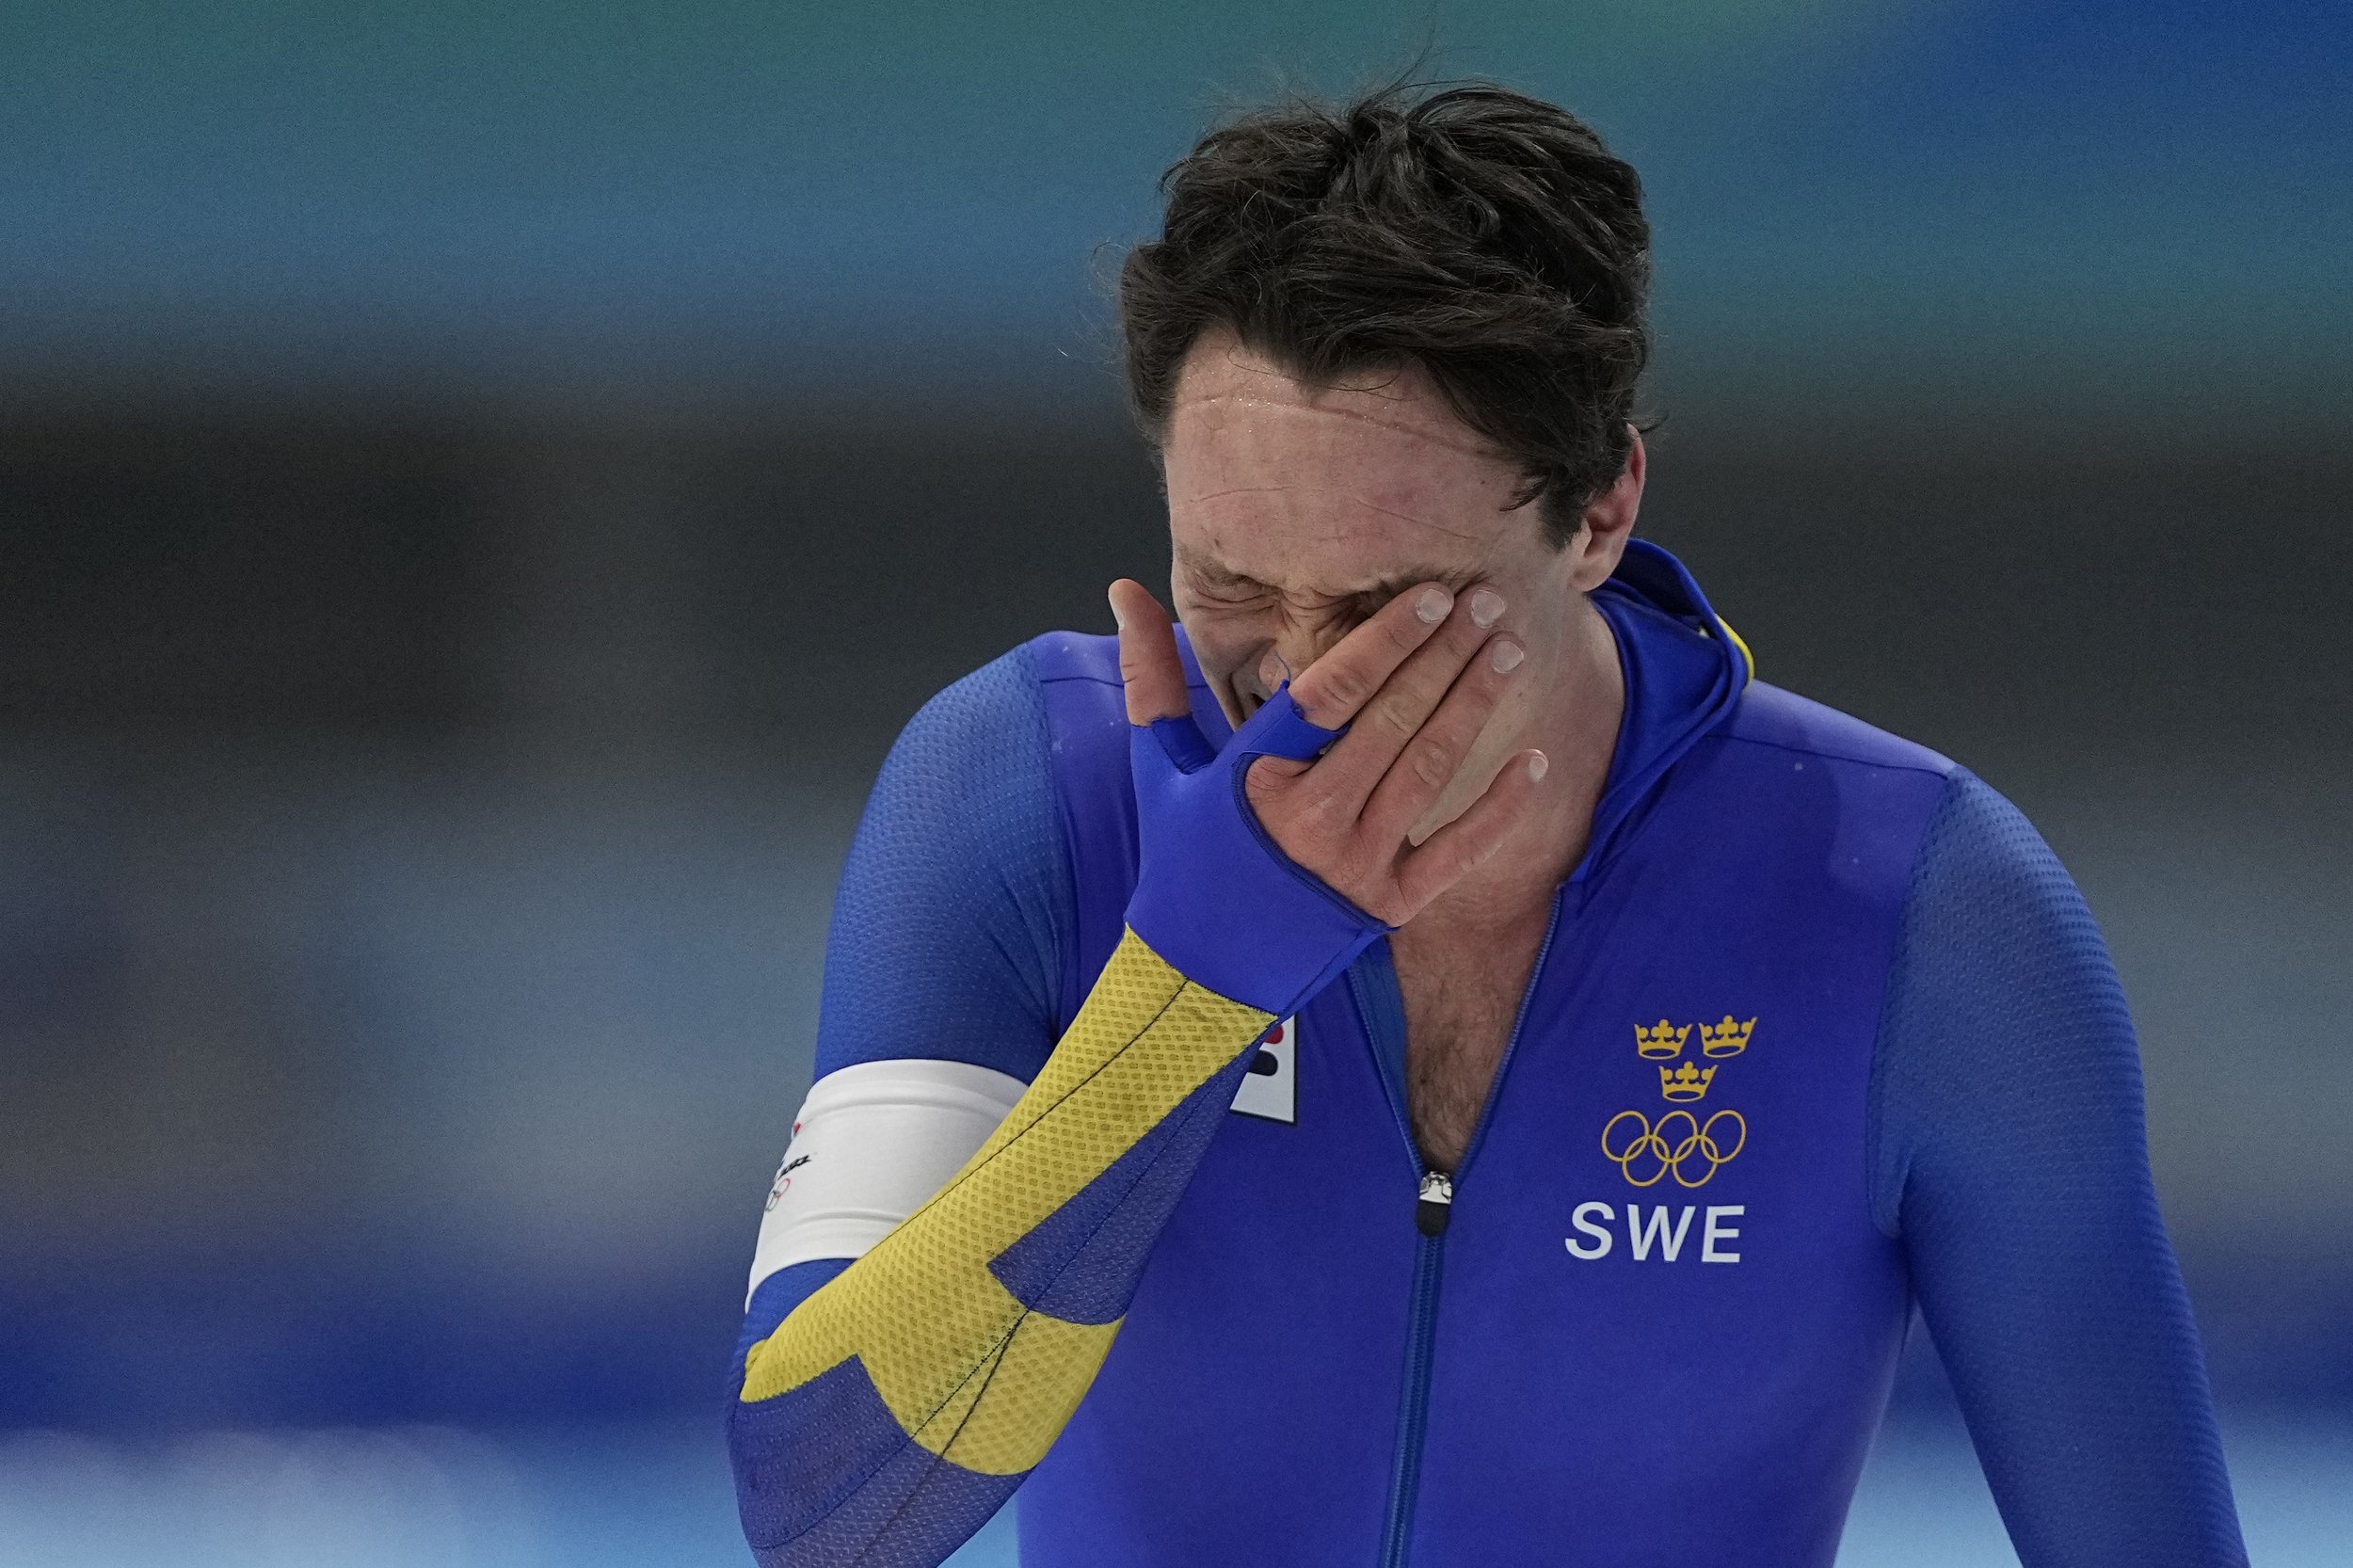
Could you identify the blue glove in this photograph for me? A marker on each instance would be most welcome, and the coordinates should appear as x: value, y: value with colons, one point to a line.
x: 1214, y: 897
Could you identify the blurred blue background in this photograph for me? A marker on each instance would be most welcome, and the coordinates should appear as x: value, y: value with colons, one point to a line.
x: 481, y: 484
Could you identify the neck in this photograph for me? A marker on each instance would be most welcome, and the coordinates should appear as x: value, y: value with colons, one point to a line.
x: 1575, y: 723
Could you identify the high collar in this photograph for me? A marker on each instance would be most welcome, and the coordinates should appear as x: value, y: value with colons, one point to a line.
x: 1685, y: 670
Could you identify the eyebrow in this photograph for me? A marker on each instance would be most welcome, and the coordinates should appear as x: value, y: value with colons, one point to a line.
x: 1383, y: 589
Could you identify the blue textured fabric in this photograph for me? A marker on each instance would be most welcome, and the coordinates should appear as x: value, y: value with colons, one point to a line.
x: 801, y: 1456
x: 955, y: 902
x: 773, y: 1301
x: 826, y: 1477
x: 1082, y: 1262
x: 913, y: 1513
x: 2009, y: 1157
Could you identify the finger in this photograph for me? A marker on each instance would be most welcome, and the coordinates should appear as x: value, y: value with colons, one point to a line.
x: 1427, y: 765
x: 1355, y: 765
x: 1148, y: 664
x: 1475, y: 835
x: 1332, y: 690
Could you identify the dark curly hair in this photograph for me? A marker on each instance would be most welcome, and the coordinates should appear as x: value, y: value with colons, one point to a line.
x: 1485, y: 235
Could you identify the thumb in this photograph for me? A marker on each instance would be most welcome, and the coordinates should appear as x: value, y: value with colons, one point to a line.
x: 1148, y: 665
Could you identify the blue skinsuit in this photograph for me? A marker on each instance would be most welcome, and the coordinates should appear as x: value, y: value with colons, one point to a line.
x: 1819, y: 1030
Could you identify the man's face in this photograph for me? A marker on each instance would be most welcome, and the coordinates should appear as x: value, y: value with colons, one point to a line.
x: 1296, y: 512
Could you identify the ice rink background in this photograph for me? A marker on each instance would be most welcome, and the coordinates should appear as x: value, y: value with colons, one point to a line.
x: 481, y: 486
x: 623, y: 1497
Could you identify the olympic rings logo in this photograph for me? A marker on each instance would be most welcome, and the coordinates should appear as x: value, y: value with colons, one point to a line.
x: 1679, y: 1139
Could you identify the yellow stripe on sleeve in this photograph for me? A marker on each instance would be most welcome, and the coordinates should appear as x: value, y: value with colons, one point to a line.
x: 966, y: 1369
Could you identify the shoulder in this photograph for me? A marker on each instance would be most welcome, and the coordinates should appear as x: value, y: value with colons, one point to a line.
x: 1971, y: 835
x: 1082, y: 702
x: 1040, y: 730
x: 968, y: 781
x: 1011, y: 787
x: 1987, y: 881
x: 2000, y: 973
x: 1816, y: 790
x: 1016, y: 724
x: 1080, y: 670
x: 973, y: 768
x: 953, y: 908
x: 1064, y: 657
x: 1773, y: 719
x: 997, y: 703
x: 1085, y: 706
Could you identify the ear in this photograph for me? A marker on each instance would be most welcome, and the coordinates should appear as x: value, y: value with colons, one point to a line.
x: 1608, y: 522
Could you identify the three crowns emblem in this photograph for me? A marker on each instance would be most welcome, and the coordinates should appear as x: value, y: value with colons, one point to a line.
x: 1679, y: 1143
x: 1686, y: 1082
x: 1727, y: 1037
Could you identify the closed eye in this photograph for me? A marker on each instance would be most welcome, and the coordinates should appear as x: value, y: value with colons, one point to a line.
x: 1234, y: 596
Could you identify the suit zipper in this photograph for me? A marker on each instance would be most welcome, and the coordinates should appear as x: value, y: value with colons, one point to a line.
x: 1433, y: 1206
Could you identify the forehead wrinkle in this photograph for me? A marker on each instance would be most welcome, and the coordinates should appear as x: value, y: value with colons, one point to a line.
x: 1433, y: 428
x: 1431, y: 525
x: 1242, y: 489
x: 1402, y: 395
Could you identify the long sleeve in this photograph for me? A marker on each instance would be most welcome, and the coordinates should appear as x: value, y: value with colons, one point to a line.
x: 900, y: 1377
x: 948, y: 927
x: 2009, y: 1157
x: 898, y: 1405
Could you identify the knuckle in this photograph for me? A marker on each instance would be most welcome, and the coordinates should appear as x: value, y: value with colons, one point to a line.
x: 1394, y: 722
x: 1432, y: 763
x: 1321, y: 814
x: 1341, y: 688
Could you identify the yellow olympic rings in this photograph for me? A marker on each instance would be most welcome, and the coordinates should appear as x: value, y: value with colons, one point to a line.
x: 1695, y: 1139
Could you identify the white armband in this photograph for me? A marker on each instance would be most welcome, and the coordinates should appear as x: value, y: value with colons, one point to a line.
x: 872, y: 1142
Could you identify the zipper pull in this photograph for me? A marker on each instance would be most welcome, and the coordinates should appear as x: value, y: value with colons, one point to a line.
x: 1434, y: 1203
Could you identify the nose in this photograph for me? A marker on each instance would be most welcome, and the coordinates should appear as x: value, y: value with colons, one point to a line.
x: 1255, y: 682
x: 1291, y: 653
x: 1273, y: 669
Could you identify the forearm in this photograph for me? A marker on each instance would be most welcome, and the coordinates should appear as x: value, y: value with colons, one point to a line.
x: 904, y: 1399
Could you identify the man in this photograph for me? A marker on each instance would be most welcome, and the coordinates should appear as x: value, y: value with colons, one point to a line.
x: 1503, y: 1075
